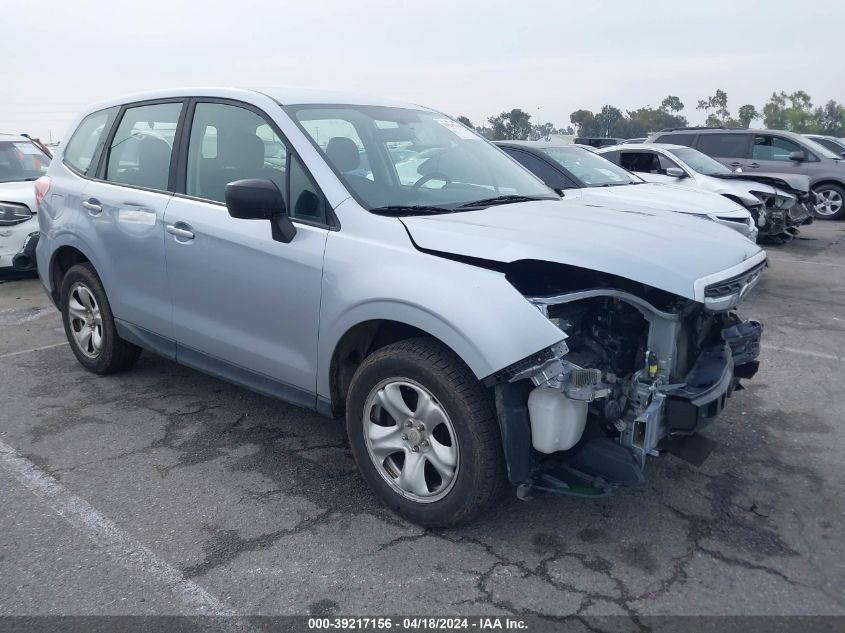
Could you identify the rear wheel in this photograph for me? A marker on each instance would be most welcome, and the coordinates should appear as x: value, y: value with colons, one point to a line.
x: 89, y: 324
x: 830, y: 201
x: 424, y: 433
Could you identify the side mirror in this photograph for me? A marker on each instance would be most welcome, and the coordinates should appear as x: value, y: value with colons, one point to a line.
x: 260, y: 199
x: 798, y: 157
x: 676, y: 172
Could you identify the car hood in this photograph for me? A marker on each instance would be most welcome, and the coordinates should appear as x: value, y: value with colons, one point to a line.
x: 22, y: 192
x: 652, y: 195
x: 790, y: 182
x: 664, y: 250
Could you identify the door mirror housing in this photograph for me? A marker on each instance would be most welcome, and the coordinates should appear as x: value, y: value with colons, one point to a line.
x: 676, y: 172
x: 798, y: 157
x: 260, y: 199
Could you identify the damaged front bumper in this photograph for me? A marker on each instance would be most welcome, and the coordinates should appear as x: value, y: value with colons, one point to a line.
x: 658, y: 410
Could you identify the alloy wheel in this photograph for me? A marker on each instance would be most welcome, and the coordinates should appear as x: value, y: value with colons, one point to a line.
x: 86, y: 322
x: 828, y: 202
x: 410, y: 440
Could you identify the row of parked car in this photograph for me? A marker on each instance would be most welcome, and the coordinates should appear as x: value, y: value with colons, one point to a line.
x: 476, y: 326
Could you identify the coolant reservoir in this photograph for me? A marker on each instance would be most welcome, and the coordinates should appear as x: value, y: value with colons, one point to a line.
x: 557, y: 422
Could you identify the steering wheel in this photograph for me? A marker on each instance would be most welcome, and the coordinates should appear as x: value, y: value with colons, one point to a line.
x: 436, y: 175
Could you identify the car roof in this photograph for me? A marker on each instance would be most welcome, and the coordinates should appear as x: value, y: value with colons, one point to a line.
x: 640, y: 146
x: 725, y: 130
x: 281, y: 94
x: 539, y: 144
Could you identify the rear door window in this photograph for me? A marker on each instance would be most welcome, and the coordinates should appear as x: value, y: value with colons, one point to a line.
x: 140, y: 152
x: 677, y: 139
x: 644, y: 162
x: 723, y: 145
x: 86, y: 144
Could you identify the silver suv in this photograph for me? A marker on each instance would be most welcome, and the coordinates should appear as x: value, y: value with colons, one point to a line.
x: 380, y: 260
x: 771, y: 152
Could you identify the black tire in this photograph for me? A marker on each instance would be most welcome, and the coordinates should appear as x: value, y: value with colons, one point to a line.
x: 480, y: 475
x: 114, y: 354
x: 838, y: 191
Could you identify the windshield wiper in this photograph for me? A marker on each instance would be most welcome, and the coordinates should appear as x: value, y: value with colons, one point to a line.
x: 488, y: 202
x: 398, y: 210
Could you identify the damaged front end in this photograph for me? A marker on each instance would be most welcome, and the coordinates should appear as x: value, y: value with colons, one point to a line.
x: 779, y: 215
x: 638, y: 369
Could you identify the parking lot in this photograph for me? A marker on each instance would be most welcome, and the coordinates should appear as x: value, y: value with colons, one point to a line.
x: 164, y: 491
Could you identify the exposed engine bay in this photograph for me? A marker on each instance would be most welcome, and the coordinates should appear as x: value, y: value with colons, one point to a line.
x: 629, y: 376
x: 779, y: 216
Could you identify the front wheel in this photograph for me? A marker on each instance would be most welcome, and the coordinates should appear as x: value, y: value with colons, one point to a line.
x: 830, y: 201
x: 424, y: 433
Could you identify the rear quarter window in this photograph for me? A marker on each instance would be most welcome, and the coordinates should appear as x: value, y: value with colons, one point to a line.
x: 677, y: 139
x: 86, y: 143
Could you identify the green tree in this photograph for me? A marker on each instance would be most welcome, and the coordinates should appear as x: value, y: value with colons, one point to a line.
x: 716, y: 108
x: 671, y: 104
x: 793, y: 112
x: 607, y: 120
x: 466, y: 122
x: 511, y: 126
x: 830, y: 119
x: 644, y: 121
x: 747, y: 114
x: 583, y: 120
x: 542, y: 131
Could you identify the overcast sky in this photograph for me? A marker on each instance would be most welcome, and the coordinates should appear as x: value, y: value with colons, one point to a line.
x: 549, y: 57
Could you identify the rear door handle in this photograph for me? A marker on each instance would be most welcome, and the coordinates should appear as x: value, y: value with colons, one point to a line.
x: 180, y: 230
x: 93, y: 206
x: 754, y: 165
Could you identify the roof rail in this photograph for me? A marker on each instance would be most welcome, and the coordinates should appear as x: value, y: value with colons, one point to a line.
x: 700, y: 127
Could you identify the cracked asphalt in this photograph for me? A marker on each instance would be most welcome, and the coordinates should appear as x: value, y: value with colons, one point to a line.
x: 259, y: 503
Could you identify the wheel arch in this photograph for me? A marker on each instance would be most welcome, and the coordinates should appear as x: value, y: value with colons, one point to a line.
x: 363, y: 339
x: 828, y: 181
x: 63, y: 258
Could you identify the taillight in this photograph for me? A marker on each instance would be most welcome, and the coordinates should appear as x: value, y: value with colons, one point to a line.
x: 42, y: 186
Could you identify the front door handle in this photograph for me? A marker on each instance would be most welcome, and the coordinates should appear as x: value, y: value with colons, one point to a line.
x: 754, y: 165
x: 736, y: 164
x: 93, y: 206
x: 180, y: 230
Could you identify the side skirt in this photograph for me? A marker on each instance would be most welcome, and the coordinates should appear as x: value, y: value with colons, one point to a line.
x: 224, y: 370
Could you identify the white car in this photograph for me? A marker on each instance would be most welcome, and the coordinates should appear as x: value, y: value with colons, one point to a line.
x: 777, y: 203
x: 21, y: 162
x: 576, y: 172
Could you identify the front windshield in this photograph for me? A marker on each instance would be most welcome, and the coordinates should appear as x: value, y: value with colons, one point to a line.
x: 591, y: 169
x: 819, y: 149
x: 399, y: 157
x: 21, y: 160
x: 700, y: 162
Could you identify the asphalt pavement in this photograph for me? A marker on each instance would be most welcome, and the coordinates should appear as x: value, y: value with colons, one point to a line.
x: 163, y: 491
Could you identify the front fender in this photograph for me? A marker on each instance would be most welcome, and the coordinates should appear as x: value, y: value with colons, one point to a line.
x: 474, y: 311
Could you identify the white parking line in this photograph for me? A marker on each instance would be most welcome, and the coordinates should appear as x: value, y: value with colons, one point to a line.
x: 32, y: 349
x: 802, y: 352
x: 105, y: 533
